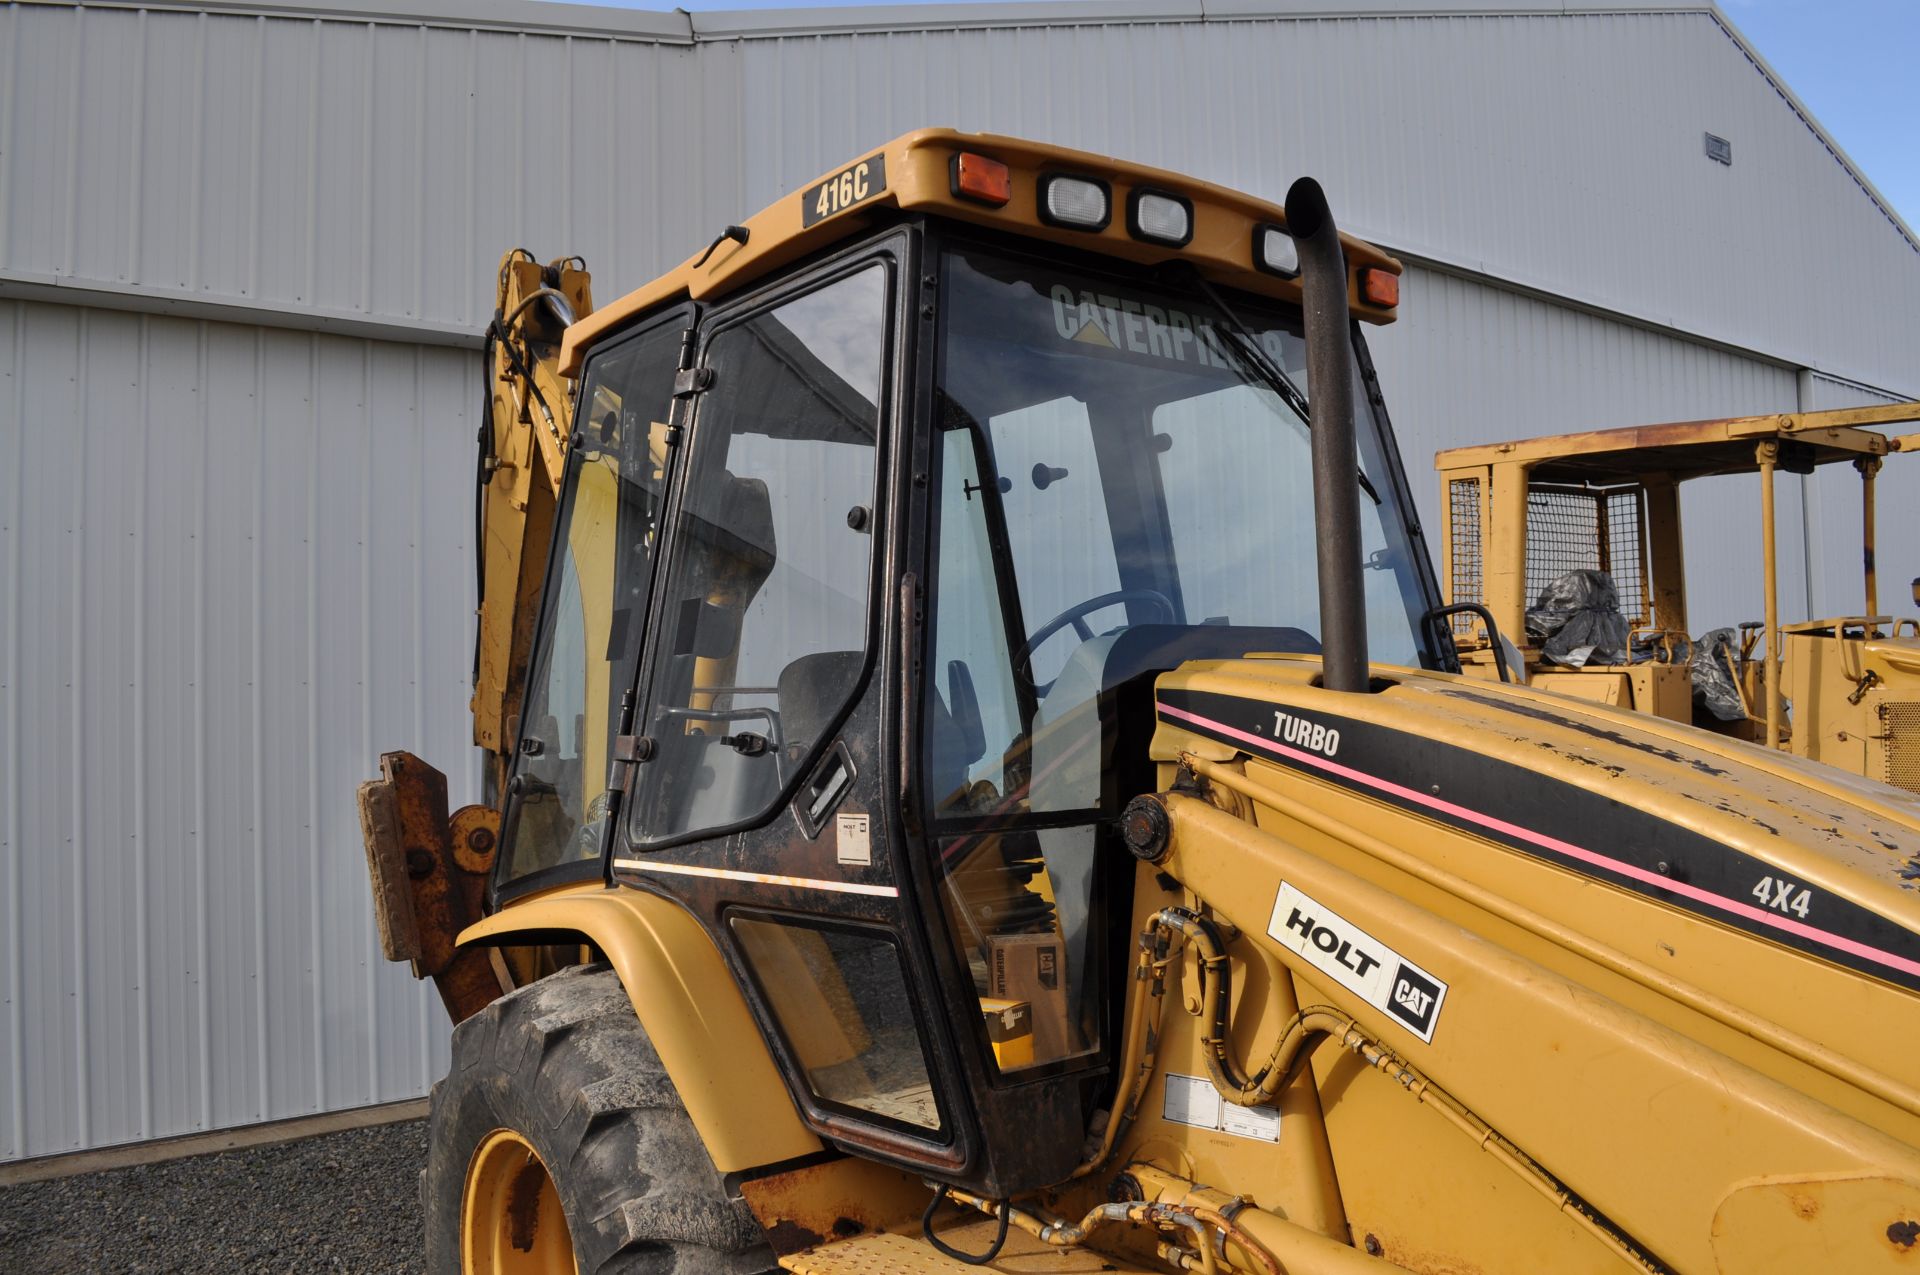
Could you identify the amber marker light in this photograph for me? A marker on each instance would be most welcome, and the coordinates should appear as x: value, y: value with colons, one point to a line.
x: 1378, y: 287
x: 982, y: 180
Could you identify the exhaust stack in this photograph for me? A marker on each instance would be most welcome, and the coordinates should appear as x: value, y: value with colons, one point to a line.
x: 1336, y: 479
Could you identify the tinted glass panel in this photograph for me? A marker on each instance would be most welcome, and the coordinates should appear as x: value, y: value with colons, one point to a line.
x: 842, y: 1003
x: 1117, y: 491
x: 766, y: 590
x: 584, y: 657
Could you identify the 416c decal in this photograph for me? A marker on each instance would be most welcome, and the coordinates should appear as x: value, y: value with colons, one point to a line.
x: 854, y: 184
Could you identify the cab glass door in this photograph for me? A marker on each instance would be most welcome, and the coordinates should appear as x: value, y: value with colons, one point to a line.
x: 595, y: 606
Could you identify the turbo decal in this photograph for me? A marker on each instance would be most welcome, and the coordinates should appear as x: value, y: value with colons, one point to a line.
x: 1565, y: 824
x: 1305, y: 733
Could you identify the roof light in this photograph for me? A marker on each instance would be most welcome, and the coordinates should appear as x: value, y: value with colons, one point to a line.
x: 1159, y: 216
x: 1378, y: 287
x: 1080, y: 202
x: 983, y: 180
x: 1275, y: 252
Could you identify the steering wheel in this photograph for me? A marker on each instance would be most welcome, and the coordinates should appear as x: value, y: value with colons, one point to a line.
x: 1076, y: 616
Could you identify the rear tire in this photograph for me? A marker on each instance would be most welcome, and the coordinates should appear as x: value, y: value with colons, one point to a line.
x: 562, y: 1068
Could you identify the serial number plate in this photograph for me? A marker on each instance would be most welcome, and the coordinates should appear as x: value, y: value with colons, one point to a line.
x: 850, y: 186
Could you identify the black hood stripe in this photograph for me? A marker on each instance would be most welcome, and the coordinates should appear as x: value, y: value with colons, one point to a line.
x: 1891, y: 964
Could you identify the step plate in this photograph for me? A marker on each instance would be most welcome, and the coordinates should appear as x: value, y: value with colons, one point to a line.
x: 883, y: 1254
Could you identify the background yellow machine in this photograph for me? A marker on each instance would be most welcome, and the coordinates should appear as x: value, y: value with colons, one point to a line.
x: 1843, y: 690
x: 986, y: 784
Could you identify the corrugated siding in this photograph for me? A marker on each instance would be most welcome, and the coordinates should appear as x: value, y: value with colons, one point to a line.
x: 234, y: 572
x: 1481, y: 364
x: 1834, y: 522
x: 362, y: 168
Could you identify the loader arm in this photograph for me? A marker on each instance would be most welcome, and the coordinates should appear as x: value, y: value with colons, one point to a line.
x: 523, y: 442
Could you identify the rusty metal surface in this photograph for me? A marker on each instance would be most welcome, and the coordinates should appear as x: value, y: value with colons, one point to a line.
x: 429, y: 873
x: 1830, y: 1222
x: 386, y: 866
x: 837, y: 1200
x: 1688, y: 448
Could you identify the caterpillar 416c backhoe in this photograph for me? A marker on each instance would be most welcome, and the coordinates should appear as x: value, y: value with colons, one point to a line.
x: 991, y: 786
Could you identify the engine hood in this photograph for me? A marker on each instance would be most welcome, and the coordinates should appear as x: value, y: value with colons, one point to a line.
x: 1798, y: 855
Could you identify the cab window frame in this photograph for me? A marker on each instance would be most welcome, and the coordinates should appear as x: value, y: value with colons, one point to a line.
x: 502, y: 889
x: 829, y: 1116
x: 892, y: 252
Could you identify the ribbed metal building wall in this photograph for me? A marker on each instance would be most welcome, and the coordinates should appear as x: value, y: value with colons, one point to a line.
x: 1832, y: 497
x: 245, y: 253
x: 365, y: 170
x: 236, y: 566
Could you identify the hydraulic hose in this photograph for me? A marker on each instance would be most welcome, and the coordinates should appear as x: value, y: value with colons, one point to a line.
x: 1290, y: 1051
x: 1058, y: 1232
x: 1138, y: 1054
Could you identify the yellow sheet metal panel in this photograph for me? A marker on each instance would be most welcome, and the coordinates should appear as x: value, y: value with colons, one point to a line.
x: 692, y: 1011
x: 916, y: 170
x: 1572, y: 1078
x: 1790, y: 1226
x: 1535, y: 1033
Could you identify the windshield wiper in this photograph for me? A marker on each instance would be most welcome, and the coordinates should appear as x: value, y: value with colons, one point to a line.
x: 1265, y: 368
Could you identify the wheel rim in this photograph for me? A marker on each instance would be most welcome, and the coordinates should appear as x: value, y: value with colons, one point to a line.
x: 511, y: 1222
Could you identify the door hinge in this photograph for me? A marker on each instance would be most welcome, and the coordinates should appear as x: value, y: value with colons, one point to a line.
x: 628, y: 751
x: 689, y: 381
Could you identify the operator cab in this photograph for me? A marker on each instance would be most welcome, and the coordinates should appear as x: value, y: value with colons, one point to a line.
x: 881, y: 520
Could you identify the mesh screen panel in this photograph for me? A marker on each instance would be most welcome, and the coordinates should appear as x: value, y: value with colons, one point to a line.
x: 1587, y: 529
x: 1465, y: 582
x: 1626, y: 550
x: 1900, y: 745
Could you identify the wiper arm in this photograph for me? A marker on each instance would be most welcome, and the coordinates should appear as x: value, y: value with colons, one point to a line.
x: 1263, y: 367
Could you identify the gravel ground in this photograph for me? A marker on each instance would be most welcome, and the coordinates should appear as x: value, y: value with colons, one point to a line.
x: 339, y: 1202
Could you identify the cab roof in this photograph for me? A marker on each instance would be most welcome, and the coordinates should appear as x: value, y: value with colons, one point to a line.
x: 916, y: 173
x: 1692, y: 449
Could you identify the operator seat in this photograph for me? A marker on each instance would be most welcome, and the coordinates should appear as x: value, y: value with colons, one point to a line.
x: 811, y: 691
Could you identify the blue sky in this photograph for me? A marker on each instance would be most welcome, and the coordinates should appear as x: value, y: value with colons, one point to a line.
x: 1849, y: 61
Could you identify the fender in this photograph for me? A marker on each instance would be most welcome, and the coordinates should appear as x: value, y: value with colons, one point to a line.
x: 692, y: 1011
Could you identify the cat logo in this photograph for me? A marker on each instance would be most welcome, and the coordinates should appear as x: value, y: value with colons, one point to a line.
x: 1091, y: 334
x: 1416, y: 999
x: 1357, y: 961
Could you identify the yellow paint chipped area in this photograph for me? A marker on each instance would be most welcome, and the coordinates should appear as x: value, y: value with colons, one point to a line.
x: 918, y: 180
x: 1804, y: 821
x: 1754, y: 799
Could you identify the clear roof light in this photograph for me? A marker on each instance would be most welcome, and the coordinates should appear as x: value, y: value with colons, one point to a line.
x: 1278, y: 252
x: 1162, y: 218
x: 1075, y: 201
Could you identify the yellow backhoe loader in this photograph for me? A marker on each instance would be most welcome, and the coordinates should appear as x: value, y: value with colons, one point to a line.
x: 982, y: 781
x: 1525, y: 518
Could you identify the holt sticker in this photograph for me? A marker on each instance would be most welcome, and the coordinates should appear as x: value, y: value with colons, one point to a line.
x: 1358, y: 962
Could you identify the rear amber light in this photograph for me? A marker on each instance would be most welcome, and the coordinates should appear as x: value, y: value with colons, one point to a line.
x: 984, y: 180
x: 1378, y: 287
